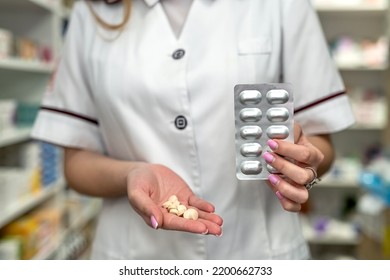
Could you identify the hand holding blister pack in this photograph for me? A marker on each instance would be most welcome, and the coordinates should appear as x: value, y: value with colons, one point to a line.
x: 262, y: 112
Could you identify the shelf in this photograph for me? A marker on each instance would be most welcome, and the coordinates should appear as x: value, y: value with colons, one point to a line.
x: 344, y: 235
x: 368, y: 69
x: 14, y: 136
x: 25, y: 65
x: 323, y: 240
x: 368, y: 9
x: 29, y: 202
x: 25, y: 81
x: 47, y: 5
x: 333, y: 183
x: 43, y: 5
x: 89, y: 212
x: 338, y: 6
x: 368, y: 127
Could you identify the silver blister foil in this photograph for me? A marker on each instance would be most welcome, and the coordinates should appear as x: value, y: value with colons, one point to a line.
x: 262, y: 112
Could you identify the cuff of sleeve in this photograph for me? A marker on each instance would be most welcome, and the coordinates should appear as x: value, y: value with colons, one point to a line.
x: 328, y: 117
x: 67, y: 131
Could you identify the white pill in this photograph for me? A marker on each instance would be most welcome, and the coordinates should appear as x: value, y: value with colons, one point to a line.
x: 181, y: 209
x: 166, y: 204
x: 172, y: 206
x: 173, y: 198
x: 174, y: 211
x: 191, y: 214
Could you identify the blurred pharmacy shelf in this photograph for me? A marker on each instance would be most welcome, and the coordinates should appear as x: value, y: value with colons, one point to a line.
x: 338, y: 183
x: 350, y: 6
x: 38, y: 26
x: 368, y: 127
x: 25, y: 79
x: 16, y: 64
x: 358, y: 34
x: 29, y: 202
x: 366, y: 9
x: 53, y: 6
x: 368, y: 69
x: 332, y: 231
x: 332, y: 240
x: 86, y: 215
x: 14, y: 136
x: 44, y: 5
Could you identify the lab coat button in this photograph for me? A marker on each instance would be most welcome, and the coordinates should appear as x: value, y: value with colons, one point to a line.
x: 178, y: 54
x: 180, y: 122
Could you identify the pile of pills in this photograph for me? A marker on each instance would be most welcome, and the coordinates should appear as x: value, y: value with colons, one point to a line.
x: 174, y: 206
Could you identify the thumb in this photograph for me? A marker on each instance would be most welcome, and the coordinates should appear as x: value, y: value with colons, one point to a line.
x: 146, y: 208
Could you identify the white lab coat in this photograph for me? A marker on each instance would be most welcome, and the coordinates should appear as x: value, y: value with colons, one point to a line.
x: 121, y: 97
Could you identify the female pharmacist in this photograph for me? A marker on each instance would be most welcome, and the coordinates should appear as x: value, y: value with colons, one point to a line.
x: 142, y: 102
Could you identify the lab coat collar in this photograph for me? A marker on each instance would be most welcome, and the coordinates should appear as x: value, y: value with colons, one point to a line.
x: 150, y: 3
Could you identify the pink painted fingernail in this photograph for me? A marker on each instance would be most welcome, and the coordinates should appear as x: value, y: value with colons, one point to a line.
x: 279, y: 195
x: 269, y: 158
x: 272, y: 144
x: 219, y: 235
x: 153, y: 221
x: 273, y: 179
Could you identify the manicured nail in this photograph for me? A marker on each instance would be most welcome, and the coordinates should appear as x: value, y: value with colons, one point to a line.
x: 153, y: 221
x: 273, y: 179
x: 272, y: 144
x: 219, y: 235
x: 205, y: 232
x: 269, y: 158
x: 279, y: 195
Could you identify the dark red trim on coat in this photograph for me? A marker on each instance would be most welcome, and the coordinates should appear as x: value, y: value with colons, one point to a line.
x: 109, y: 2
x: 319, y: 101
x: 64, y: 112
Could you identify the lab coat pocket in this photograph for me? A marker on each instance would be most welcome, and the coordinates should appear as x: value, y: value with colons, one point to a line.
x: 261, y: 45
x: 254, y: 57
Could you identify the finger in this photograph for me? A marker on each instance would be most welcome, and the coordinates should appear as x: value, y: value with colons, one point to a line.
x: 301, y: 153
x: 200, y: 226
x: 287, y: 204
x: 146, y: 208
x: 297, y: 132
x: 206, y: 210
x: 173, y: 222
x: 215, y: 219
x: 201, y: 204
x: 213, y: 229
x: 295, y: 193
x: 299, y: 175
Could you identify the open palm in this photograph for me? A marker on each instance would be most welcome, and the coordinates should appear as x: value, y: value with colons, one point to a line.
x: 149, y: 186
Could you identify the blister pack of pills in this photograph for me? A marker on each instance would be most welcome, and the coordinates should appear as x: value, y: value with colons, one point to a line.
x: 262, y: 112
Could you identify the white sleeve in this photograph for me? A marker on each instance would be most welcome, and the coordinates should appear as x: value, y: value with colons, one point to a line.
x: 321, y: 103
x: 68, y: 115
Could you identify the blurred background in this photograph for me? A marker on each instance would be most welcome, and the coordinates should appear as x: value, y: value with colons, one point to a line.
x: 346, y: 217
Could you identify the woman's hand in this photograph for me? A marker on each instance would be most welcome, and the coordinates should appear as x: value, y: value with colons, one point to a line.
x: 150, y: 185
x: 290, y: 186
